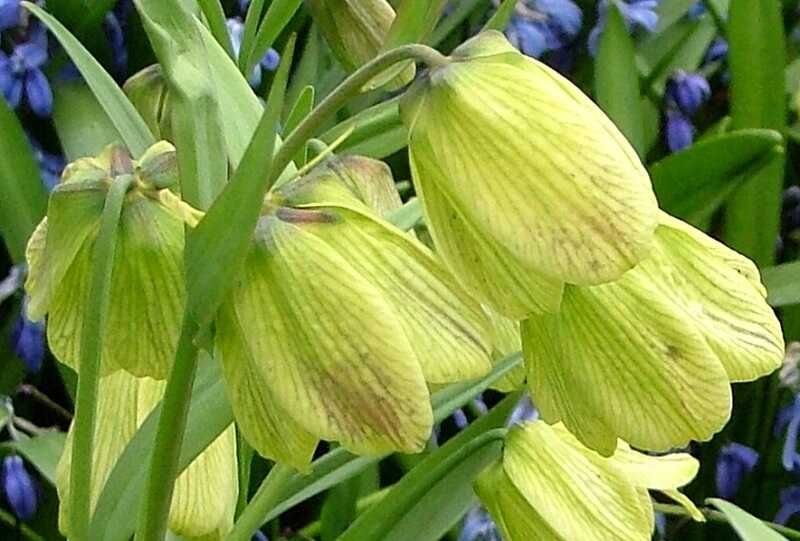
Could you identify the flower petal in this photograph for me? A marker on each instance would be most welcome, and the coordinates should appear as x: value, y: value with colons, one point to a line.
x: 723, y: 295
x: 329, y: 345
x: 445, y: 327
x: 264, y: 423
x: 486, y: 268
x: 37, y: 89
x: 579, y: 494
x: 620, y: 360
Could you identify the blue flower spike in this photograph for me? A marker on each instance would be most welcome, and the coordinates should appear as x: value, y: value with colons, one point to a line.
x: 28, y: 342
x: 19, y: 488
x: 734, y: 463
x: 539, y: 26
x: 21, y: 75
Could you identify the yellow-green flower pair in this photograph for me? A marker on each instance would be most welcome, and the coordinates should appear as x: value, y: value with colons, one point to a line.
x: 337, y: 324
x: 633, y: 323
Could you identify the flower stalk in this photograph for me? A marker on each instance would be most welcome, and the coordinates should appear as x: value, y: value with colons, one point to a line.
x: 89, y: 374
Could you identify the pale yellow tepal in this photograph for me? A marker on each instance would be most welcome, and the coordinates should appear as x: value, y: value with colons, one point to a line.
x: 549, y: 487
x: 650, y: 358
x: 525, y: 183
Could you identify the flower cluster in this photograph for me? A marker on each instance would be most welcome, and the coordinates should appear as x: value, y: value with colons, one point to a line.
x: 538, y: 26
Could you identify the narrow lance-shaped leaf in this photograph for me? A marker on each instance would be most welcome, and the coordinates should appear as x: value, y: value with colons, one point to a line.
x: 130, y: 125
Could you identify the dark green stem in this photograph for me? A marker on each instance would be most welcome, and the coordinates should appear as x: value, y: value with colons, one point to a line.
x: 93, y: 330
x: 169, y: 438
x: 349, y: 88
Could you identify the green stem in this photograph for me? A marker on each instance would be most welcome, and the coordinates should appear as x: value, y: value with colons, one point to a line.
x: 165, y: 459
x: 93, y: 330
x: 313, y: 529
x: 268, y: 495
x: 717, y: 516
x: 349, y: 88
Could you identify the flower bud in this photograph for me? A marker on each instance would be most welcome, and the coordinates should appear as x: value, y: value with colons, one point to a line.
x: 159, y: 166
x: 148, y: 92
x: 340, y: 322
x: 548, y: 486
x: 356, y: 30
x: 650, y: 358
x: 19, y: 488
x: 525, y: 183
x: 147, y: 292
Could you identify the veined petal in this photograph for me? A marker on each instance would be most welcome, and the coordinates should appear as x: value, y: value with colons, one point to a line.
x: 722, y: 294
x: 486, y: 268
x: 329, y: 345
x: 665, y: 472
x: 619, y: 360
x: 445, y: 327
x: 579, y: 494
x: 146, y: 291
x: 507, y: 341
x: 269, y: 428
x: 532, y: 163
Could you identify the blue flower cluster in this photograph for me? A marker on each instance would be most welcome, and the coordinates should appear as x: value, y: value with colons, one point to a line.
x: 479, y: 526
x: 685, y: 94
x: 735, y: 461
x: 538, y: 26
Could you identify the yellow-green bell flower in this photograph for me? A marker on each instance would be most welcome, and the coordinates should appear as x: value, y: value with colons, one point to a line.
x: 549, y: 487
x: 650, y: 357
x: 205, y: 496
x: 147, y: 292
x: 525, y: 183
x: 339, y: 323
x: 356, y: 31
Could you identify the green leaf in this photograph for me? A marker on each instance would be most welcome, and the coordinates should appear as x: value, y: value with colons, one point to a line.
x: 209, y: 415
x: 24, y: 199
x: 278, y: 16
x: 748, y: 527
x: 216, y: 249
x: 407, y: 216
x: 692, y: 184
x: 453, y: 19
x: 43, y: 451
x: 757, y: 61
x: 500, y: 18
x: 432, y: 497
x: 616, y: 80
x: 782, y: 283
x: 670, y: 11
x: 82, y: 125
x: 377, y: 131
x: 177, y: 41
x: 215, y: 18
x: 301, y: 108
x: 415, y: 20
x: 135, y: 133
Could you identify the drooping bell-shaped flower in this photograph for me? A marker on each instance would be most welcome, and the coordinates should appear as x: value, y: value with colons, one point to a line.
x: 340, y: 321
x: 147, y: 275
x: 525, y: 183
x: 206, y: 492
x: 550, y: 487
x: 650, y: 357
x: 356, y: 30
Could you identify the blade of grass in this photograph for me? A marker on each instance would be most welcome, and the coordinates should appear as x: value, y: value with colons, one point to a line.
x: 215, y: 17
x: 279, y: 14
x: 24, y: 199
x: 135, y: 133
x: 501, y: 16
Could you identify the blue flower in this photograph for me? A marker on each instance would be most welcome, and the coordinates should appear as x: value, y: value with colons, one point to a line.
x: 19, y: 488
x: 789, y: 420
x: 790, y: 505
x: 50, y: 165
x: 679, y: 131
x: 687, y: 91
x: 116, y: 39
x: 21, y: 74
x: 270, y: 60
x: 479, y: 526
x: 639, y: 15
x: 734, y: 462
x: 523, y: 411
x: 10, y: 14
x: 460, y: 419
x: 697, y: 9
x: 28, y: 342
x: 539, y: 26
x: 259, y: 536
x: 718, y: 50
